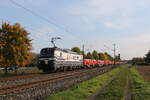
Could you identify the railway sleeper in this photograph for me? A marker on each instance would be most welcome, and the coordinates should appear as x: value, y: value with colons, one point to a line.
x: 42, y: 90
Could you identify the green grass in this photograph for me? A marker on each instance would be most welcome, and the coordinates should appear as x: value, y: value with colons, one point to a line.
x: 84, y: 89
x: 116, y: 89
x: 140, y: 87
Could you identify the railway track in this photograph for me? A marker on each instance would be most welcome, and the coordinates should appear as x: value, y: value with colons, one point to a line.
x: 13, y: 78
x: 9, y: 81
x: 18, y: 80
x: 8, y: 90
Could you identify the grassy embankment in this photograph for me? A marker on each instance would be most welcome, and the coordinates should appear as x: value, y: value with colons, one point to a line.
x: 140, y: 87
x: 85, y: 89
x: 116, y: 90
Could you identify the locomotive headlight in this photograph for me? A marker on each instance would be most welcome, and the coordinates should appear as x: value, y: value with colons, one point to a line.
x: 46, y: 61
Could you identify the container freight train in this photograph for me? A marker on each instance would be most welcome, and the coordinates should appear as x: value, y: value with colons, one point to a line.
x: 56, y: 59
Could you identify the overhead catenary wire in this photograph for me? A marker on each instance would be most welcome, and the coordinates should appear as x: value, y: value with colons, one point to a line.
x: 114, y: 51
x: 23, y: 26
x: 35, y: 14
x: 108, y: 48
x: 30, y: 28
x: 44, y: 19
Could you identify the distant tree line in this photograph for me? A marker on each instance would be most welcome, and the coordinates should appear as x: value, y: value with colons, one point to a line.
x: 15, y: 48
x: 96, y: 55
x: 141, y: 60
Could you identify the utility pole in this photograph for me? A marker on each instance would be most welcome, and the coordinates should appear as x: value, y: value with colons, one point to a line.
x: 83, y: 52
x: 114, y: 53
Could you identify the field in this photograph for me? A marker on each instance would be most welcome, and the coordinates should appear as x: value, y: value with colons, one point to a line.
x: 140, y: 88
x: 145, y: 71
x: 124, y: 83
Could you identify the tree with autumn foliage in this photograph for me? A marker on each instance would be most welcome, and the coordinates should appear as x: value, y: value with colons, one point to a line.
x: 15, y: 45
x: 108, y: 56
x: 105, y: 56
x: 95, y: 55
x: 89, y: 55
x: 101, y: 56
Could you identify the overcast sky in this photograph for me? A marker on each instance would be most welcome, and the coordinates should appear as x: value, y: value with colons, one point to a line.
x: 94, y: 23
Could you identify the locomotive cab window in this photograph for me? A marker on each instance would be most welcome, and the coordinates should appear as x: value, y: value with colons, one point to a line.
x: 47, y: 52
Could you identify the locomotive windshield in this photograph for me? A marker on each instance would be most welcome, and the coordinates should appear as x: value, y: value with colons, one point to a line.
x: 47, y: 52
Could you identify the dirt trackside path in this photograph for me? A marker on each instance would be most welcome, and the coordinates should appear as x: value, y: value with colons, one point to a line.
x: 122, y: 83
x: 128, y: 85
x: 116, y: 89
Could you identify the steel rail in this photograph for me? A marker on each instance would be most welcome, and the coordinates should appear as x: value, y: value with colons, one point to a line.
x: 16, y: 88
